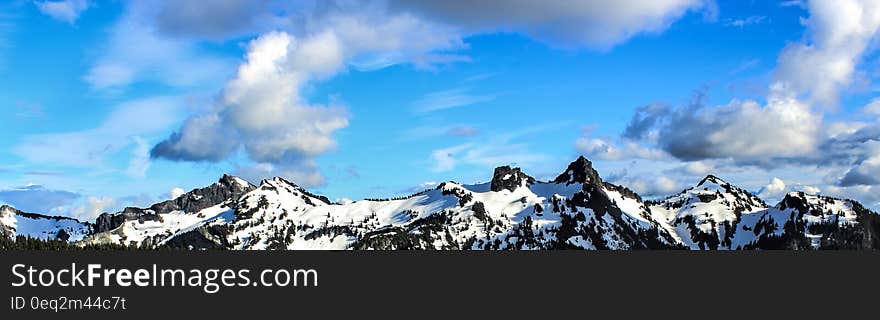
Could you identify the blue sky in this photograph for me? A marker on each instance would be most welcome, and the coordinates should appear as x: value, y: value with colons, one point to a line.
x: 116, y: 103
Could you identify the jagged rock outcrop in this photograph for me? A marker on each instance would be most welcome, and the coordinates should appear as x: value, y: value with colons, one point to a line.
x: 507, y: 178
x: 228, y: 187
x: 580, y: 171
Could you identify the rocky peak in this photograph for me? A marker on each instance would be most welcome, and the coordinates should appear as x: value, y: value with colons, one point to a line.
x: 579, y: 171
x: 227, y: 188
x: 6, y: 209
x: 711, y: 179
x: 509, y: 178
x: 276, y: 183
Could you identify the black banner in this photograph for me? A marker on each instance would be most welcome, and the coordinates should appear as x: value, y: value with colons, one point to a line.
x: 459, y: 285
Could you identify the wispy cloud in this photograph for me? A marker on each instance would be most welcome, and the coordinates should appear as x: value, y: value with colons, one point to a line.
x: 454, y: 98
x: 89, y: 148
x: 65, y: 10
x: 747, y: 21
x: 745, y: 66
x: 36, y: 198
x: 792, y: 3
x: 493, y: 150
x: 44, y: 173
x: 463, y: 131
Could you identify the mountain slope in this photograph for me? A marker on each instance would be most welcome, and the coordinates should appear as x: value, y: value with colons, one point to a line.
x: 14, y: 222
x: 149, y: 227
x: 513, y: 211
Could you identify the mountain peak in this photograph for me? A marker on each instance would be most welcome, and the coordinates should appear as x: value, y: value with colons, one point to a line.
x: 509, y: 178
x: 275, y: 181
x: 712, y: 179
x: 230, y: 180
x: 579, y: 171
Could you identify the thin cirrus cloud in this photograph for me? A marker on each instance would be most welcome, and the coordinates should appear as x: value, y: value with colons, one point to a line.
x: 442, y: 100
x: 136, y: 51
x: 90, y: 147
x: 36, y: 198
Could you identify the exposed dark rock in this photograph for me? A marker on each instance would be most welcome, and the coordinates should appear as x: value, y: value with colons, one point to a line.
x: 62, y: 235
x: 227, y: 188
x: 579, y: 171
x: 106, y: 222
x: 507, y: 178
x: 203, y: 237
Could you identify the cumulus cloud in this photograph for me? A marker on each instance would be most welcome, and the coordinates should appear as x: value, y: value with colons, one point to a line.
x: 788, y: 130
x: 866, y: 171
x: 773, y: 190
x: 65, y: 10
x: 644, y: 119
x: 37, y: 199
x: 175, y: 193
x: 93, y: 207
x: 838, y: 33
x: 262, y: 111
x: 608, y: 149
x: 811, y: 190
x: 597, y: 24
x: 740, y: 130
x: 698, y: 168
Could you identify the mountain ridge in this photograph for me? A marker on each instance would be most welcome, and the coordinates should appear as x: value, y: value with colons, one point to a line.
x: 575, y: 210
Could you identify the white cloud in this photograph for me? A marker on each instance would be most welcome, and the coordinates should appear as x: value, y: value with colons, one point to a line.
x: 175, y: 193
x: 603, y: 149
x: 698, y: 168
x: 873, y: 108
x: 811, y: 190
x: 657, y: 186
x: 262, y: 110
x: 598, y: 148
x: 738, y: 130
x: 839, y: 32
x: 773, y: 190
x: 92, y: 208
x: 64, y: 10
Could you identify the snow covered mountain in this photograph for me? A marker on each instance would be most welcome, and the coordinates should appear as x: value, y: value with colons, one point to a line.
x: 14, y: 222
x: 576, y: 210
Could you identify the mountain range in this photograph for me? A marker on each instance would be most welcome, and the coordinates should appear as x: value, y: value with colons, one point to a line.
x: 514, y: 211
